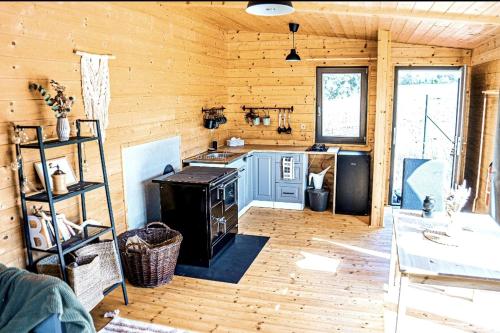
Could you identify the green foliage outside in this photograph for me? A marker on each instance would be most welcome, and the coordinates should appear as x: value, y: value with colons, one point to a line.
x: 341, y: 85
x: 430, y: 78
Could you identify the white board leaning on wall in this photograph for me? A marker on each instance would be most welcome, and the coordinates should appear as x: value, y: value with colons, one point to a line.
x: 142, y: 163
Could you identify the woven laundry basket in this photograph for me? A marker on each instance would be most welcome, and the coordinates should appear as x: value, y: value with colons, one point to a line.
x: 154, y: 265
x: 84, y: 277
x: 109, y: 261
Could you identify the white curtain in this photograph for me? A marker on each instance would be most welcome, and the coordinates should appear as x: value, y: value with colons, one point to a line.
x: 95, y: 89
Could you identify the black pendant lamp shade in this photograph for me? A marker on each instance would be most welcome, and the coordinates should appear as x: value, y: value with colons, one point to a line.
x: 293, y: 56
x: 269, y: 8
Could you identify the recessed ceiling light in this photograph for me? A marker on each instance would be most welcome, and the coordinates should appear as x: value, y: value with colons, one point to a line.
x: 269, y: 8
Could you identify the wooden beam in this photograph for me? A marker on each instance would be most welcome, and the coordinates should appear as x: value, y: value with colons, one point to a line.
x: 353, y: 10
x: 379, y: 167
x: 328, y: 8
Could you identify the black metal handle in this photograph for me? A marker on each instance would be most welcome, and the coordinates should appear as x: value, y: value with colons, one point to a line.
x: 291, y: 193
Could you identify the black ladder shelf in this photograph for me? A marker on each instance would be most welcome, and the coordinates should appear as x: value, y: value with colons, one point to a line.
x: 91, y: 232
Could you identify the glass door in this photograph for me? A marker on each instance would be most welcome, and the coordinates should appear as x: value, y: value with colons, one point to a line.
x: 427, y: 120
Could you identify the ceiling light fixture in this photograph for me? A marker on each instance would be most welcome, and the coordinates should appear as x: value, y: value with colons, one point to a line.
x: 293, y: 56
x: 269, y: 8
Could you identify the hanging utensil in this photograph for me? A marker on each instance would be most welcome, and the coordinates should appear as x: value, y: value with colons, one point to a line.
x: 289, y: 129
x: 279, y: 121
x: 283, y: 129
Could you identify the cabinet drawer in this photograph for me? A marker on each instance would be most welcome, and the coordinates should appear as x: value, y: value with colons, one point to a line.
x: 289, y: 193
x: 297, y: 158
x: 297, y: 170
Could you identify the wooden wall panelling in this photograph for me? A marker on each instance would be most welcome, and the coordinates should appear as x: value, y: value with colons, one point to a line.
x: 258, y: 75
x: 381, y: 139
x: 485, y: 75
x: 168, y: 65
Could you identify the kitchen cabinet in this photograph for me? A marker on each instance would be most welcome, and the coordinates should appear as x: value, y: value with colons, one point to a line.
x: 264, y: 176
x: 242, y: 184
x: 249, y: 179
x: 261, y: 182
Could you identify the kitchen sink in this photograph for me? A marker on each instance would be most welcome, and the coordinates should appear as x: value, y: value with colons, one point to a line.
x: 214, y: 157
x: 219, y: 155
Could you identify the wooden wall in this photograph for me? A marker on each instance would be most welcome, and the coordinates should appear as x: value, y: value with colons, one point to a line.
x: 167, y: 67
x: 485, y: 76
x: 259, y: 76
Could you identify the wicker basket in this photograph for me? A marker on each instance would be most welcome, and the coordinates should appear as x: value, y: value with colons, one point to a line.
x: 155, y: 265
x: 84, y: 277
x: 110, y: 265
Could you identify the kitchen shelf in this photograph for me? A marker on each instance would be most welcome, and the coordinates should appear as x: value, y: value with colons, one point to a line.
x: 91, y: 232
x: 53, y: 143
x: 73, y: 190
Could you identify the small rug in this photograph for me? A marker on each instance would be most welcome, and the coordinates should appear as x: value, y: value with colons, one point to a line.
x: 231, y: 264
x: 123, y: 325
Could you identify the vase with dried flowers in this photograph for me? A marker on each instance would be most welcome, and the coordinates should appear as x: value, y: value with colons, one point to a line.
x: 455, y: 201
x: 60, y: 104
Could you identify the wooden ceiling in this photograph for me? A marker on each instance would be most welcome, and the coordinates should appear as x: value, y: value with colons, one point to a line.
x: 461, y: 24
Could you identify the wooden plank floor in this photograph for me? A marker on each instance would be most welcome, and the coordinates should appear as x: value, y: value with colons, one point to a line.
x: 317, y: 273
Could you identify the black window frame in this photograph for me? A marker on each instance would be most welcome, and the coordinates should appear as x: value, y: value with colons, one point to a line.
x: 361, y: 139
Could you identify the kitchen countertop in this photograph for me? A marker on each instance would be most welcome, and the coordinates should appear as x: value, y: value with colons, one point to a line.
x: 241, y: 151
x: 275, y: 148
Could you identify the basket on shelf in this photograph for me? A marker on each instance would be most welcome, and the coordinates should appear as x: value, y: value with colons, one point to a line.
x: 153, y: 265
x: 109, y: 261
x: 84, y: 277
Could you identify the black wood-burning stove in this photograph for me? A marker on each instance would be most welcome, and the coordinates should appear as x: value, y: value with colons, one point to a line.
x: 202, y: 204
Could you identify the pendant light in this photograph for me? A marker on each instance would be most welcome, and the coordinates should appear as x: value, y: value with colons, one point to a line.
x: 293, y: 56
x: 269, y: 8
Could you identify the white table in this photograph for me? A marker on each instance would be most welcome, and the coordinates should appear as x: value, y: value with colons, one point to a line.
x: 474, y: 264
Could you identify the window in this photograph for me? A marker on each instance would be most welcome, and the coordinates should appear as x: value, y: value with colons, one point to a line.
x: 341, y: 110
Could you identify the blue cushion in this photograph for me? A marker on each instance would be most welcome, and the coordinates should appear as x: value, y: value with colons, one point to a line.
x: 50, y: 325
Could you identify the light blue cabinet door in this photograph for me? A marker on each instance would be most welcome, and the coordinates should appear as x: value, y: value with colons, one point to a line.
x: 249, y: 180
x: 264, y: 176
x: 242, y: 183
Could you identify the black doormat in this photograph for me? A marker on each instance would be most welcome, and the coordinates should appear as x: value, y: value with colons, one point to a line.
x: 229, y: 265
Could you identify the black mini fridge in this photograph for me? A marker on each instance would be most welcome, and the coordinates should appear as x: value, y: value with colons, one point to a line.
x: 353, y: 188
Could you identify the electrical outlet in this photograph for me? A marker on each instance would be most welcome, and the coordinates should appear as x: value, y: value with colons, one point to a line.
x: 302, y: 126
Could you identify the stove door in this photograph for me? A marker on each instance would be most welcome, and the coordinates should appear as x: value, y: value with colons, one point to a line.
x: 216, y: 220
x: 229, y: 194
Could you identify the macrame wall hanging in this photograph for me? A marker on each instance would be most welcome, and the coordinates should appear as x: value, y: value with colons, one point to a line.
x: 95, y: 88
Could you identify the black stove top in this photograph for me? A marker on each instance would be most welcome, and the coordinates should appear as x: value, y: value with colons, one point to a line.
x: 199, y: 175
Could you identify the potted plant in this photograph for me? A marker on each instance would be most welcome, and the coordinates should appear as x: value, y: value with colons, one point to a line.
x: 60, y: 104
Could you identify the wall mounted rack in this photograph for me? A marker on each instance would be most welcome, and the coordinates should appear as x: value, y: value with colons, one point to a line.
x: 268, y: 108
x: 214, y: 109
